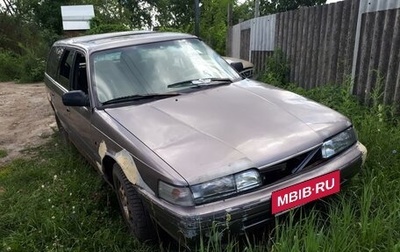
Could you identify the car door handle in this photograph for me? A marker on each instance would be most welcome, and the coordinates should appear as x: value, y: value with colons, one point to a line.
x: 67, y: 109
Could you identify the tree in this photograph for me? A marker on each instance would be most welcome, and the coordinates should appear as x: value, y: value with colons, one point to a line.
x: 97, y: 26
x: 245, y: 10
x: 176, y: 15
x: 274, y: 6
x: 138, y: 13
x: 213, y: 23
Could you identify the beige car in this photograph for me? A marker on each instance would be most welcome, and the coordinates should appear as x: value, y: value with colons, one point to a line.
x: 245, y: 68
x: 185, y: 141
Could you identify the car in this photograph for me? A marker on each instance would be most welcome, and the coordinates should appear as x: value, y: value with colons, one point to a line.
x: 185, y: 141
x: 244, y: 67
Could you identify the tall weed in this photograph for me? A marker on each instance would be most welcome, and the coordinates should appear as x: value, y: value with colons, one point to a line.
x: 277, y: 69
x: 367, y: 212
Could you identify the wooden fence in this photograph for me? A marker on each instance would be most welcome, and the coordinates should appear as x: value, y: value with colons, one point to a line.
x: 329, y: 43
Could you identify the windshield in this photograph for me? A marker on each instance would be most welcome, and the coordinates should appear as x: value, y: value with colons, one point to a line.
x: 151, y: 68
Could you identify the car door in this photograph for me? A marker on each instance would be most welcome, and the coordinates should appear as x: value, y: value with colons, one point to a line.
x: 80, y: 117
x: 58, y: 78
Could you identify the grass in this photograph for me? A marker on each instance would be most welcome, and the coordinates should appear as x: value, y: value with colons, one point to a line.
x: 56, y: 202
x: 3, y: 153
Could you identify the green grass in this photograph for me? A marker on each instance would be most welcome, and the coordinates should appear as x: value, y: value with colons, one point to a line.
x: 56, y: 202
x: 3, y: 153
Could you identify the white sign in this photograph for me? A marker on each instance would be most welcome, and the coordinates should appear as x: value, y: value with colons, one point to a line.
x: 77, y: 17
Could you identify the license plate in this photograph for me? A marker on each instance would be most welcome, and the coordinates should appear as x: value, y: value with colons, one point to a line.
x: 302, y: 193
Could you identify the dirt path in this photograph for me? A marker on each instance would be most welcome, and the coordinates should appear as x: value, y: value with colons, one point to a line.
x: 26, y: 118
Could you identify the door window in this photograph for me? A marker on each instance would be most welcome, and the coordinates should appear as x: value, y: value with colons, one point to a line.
x: 53, y: 61
x: 66, y: 69
x: 80, y: 75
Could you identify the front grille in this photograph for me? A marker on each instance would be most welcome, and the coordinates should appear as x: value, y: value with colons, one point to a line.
x: 247, y: 73
x: 277, y: 172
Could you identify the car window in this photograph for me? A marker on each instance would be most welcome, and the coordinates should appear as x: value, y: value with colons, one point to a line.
x: 80, y: 75
x: 66, y: 69
x: 53, y: 61
x: 150, y: 68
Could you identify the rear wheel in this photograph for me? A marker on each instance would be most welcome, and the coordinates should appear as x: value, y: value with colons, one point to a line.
x: 132, y: 207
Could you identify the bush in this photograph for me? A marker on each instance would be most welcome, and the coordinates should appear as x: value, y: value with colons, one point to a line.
x: 10, y: 65
x: 26, y: 68
x: 277, y: 69
x: 103, y: 25
x: 104, y: 28
x: 32, y: 69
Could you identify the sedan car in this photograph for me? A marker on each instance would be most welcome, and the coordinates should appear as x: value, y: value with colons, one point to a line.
x: 244, y: 67
x: 185, y: 141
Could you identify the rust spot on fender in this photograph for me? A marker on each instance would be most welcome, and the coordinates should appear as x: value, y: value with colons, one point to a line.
x: 125, y: 161
x: 102, y: 153
x: 102, y: 149
x: 128, y: 166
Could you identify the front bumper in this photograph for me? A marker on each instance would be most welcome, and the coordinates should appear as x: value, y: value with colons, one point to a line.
x: 245, y: 211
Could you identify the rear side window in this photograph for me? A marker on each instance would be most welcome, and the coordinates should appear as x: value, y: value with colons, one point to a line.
x: 66, y: 69
x: 53, y: 61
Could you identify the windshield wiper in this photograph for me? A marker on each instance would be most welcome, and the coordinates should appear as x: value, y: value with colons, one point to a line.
x: 139, y: 97
x: 201, y: 82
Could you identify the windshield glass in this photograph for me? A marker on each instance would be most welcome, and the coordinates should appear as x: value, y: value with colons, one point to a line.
x: 151, y: 68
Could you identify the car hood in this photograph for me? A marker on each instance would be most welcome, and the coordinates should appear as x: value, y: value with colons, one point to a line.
x: 223, y: 130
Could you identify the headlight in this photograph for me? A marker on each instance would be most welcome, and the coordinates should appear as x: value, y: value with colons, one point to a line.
x: 225, y: 186
x: 211, y: 190
x: 176, y: 195
x: 338, y: 143
x: 214, y: 188
x: 247, y: 180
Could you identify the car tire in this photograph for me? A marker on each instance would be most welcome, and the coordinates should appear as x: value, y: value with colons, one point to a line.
x: 133, y: 210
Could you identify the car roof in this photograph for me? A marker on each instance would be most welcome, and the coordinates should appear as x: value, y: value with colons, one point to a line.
x: 99, y: 42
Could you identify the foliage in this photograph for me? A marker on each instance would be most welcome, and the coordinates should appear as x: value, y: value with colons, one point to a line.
x: 47, y: 14
x: 32, y: 68
x: 23, y: 49
x: 277, y: 69
x: 55, y: 202
x: 176, y: 15
x: 98, y: 26
x: 213, y: 26
x: 274, y: 6
x: 26, y: 68
x: 9, y: 66
x: 245, y: 10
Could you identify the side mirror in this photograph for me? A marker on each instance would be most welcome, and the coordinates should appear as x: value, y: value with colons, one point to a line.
x: 238, y: 66
x: 75, y: 98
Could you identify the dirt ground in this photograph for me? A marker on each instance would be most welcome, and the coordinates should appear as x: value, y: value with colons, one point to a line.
x: 26, y: 118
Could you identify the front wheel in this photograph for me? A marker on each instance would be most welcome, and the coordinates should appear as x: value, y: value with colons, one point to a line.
x: 132, y: 207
